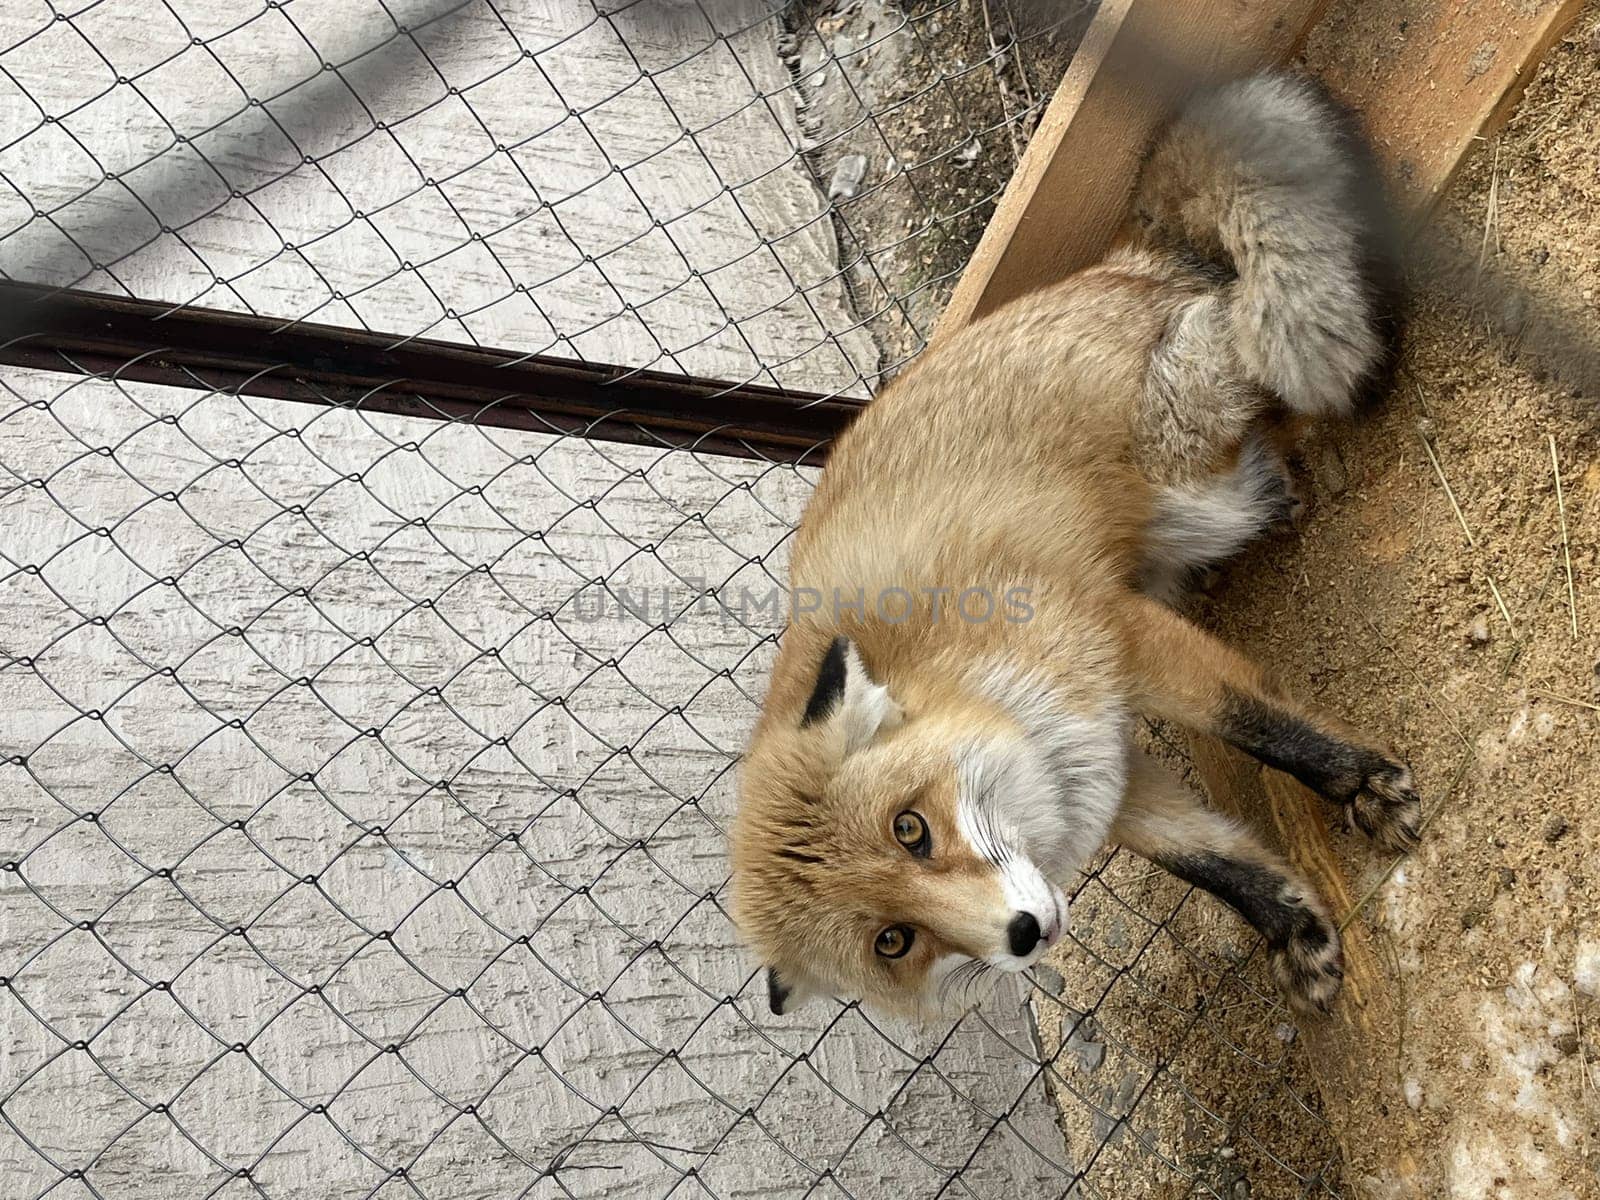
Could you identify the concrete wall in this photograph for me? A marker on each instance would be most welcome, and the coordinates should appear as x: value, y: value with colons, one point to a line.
x: 368, y: 761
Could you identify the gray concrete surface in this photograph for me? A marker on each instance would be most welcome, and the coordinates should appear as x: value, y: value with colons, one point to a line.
x: 243, y: 661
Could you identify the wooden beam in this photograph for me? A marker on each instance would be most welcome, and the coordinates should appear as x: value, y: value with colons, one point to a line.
x: 1441, y: 78
x: 1069, y: 193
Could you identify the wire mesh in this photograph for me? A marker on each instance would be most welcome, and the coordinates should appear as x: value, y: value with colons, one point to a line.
x: 365, y: 777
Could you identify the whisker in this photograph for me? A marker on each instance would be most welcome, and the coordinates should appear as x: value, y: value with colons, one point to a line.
x: 964, y: 979
x: 999, y: 851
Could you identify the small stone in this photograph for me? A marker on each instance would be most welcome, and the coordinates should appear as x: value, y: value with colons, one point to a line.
x: 1088, y: 1053
x: 1050, y: 979
x: 1555, y: 825
x: 1127, y: 1088
x: 1330, y: 470
x: 1425, y: 427
x: 1285, y: 1032
x: 847, y: 177
x: 1240, y: 1190
x: 1413, y: 1091
x: 1229, y: 952
x: 1566, y: 1044
x: 1508, y: 879
x: 1478, y: 631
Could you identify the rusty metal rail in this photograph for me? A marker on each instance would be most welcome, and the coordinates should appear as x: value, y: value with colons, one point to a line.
x: 151, y: 342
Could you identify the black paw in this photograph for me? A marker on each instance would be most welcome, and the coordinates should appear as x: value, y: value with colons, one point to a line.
x: 1309, y: 967
x: 1385, y: 807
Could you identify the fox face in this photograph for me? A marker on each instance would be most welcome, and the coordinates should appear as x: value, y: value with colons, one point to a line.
x: 902, y: 856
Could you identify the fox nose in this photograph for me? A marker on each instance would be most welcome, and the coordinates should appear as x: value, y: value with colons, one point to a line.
x: 1023, y: 933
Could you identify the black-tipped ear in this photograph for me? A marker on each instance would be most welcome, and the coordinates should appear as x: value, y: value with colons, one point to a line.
x: 777, y: 993
x: 845, y: 698
x: 825, y: 697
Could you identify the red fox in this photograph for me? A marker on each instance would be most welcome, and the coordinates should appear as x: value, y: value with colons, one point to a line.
x: 946, y: 739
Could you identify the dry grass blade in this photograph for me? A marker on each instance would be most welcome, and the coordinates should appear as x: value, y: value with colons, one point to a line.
x: 1500, y: 603
x: 998, y: 61
x: 1494, y: 588
x: 1560, y: 699
x: 1448, y: 491
x: 1432, y: 693
x: 1566, y: 548
x: 1491, y: 211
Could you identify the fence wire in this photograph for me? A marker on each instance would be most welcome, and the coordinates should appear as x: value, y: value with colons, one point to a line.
x: 365, y: 778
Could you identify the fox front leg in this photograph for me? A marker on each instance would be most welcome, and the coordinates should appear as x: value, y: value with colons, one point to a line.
x: 1161, y: 821
x: 1185, y: 675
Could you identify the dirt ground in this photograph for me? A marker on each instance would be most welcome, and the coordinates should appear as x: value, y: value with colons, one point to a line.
x: 1426, y: 597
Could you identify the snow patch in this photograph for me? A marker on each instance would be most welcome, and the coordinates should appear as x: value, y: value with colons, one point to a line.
x: 1413, y: 1091
x: 1518, y: 1026
x: 1586, y: 967
x: 1403, y: 908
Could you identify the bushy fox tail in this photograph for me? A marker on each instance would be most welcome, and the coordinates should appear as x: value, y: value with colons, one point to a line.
x: 1271, y: 176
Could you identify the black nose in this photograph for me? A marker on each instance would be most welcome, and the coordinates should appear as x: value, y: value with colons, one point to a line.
x: 1023, y: 933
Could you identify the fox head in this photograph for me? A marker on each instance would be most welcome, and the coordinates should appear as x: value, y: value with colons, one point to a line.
x: 897, y: 851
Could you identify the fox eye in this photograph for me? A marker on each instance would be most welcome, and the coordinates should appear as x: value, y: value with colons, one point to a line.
x: 911, y: 831
x: 894, y: 941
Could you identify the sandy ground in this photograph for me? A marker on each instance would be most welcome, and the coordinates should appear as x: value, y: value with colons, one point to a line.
x: 1450, y: 626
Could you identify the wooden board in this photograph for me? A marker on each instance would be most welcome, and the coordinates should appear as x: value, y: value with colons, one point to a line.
x: 1068, y: 194
x: 1445, y: 74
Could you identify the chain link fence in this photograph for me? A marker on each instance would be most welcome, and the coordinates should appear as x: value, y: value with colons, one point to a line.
x: 365, y: 776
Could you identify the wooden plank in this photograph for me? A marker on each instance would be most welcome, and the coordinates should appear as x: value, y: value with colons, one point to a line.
x: 1069, y: 193
x: 1353, y: 1057
x: 1438, y: 77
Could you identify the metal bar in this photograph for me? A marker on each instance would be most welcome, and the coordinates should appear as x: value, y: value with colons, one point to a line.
x: 87, y: 333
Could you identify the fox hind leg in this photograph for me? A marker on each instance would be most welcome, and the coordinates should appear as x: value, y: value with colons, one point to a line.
x: 1199, y: 524
x: 1164, y: 823
x: 1213, y: 445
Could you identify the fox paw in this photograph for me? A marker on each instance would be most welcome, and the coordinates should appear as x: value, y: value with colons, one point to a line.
x: 1385, y: 807
x: 1309, y: 967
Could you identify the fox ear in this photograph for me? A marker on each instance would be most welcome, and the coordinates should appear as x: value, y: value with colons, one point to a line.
x: 846, y: 695
x: 783, y: 994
